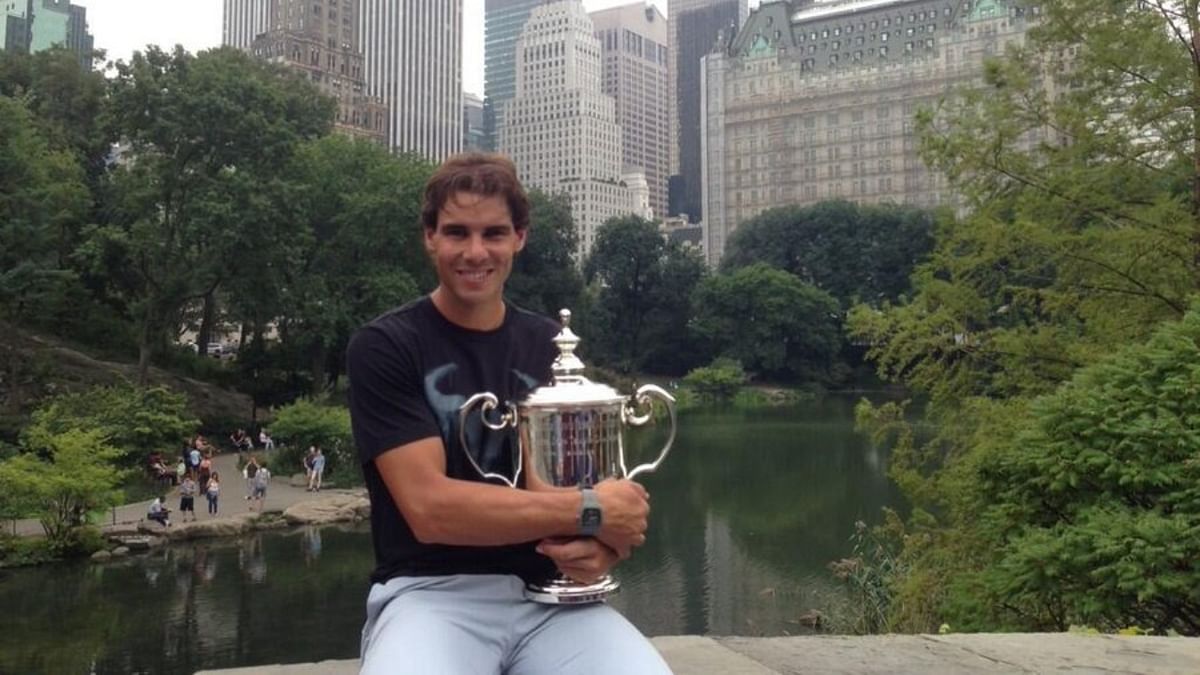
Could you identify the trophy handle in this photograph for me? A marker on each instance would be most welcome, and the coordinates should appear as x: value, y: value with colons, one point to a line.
x: 642, y: 398
x: 488, y: 402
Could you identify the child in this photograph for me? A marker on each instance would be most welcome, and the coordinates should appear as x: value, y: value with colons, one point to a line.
x: 212, y: 491
x: 187, y: 496
x: 261, y: 480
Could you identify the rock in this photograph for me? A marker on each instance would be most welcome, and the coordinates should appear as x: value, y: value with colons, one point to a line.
x: 101, y: 555
x: 223, y: 526
x: 134, y: 542
x: 298, y: 480
x: 330, y: 508
x: 120, y: 551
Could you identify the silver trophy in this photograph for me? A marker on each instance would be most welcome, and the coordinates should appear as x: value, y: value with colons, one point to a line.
x: 570, y: 435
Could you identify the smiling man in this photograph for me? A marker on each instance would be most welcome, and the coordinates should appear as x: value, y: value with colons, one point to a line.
x: 453, y: 552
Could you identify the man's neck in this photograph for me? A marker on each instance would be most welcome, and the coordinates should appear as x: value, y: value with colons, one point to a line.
x: 480, y: 318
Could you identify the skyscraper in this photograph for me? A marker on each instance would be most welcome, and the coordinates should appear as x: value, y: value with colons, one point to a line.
x: 473, y: 138
x: 320, y: 40
x: 36, y: 25
x: 694, y: 28
x: 560, y: 128
x: 413, y: 56
x: 244, y: 20
x: 503, y: 22
x: 633, y: 40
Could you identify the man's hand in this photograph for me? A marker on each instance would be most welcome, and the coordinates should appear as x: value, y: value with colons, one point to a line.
x: 625, y: 506
x: 583, y: 559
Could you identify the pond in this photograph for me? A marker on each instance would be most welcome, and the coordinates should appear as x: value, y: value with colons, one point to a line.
x: 747, y: 512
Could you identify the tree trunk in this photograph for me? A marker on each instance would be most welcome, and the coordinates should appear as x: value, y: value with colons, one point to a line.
x: 143, y: 371
x: 207, y: 319
x: 317, y: 370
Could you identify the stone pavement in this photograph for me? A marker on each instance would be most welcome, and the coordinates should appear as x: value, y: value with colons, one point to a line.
x: 232, y: 503
x: 888, y: 654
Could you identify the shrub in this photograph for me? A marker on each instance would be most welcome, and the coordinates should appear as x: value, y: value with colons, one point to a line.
x: 718, y: 382
x: 306, y: 422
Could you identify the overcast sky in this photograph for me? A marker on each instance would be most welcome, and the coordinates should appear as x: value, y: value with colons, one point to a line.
x: 122, y: 26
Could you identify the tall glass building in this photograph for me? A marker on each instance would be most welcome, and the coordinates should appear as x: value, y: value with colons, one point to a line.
x: 503, y: 22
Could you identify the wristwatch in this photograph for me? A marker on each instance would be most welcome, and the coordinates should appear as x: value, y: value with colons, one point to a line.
x: 590, y: 515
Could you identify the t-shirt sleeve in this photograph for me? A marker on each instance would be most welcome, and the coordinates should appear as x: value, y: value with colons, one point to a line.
x: 387, y: 406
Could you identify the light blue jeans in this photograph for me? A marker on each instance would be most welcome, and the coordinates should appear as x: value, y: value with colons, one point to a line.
x: 468, y: 624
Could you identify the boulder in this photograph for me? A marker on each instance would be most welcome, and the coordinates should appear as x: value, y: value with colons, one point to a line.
x: 120, y: 551
x: 330, y: 508
x: 101, y: 555
x: 223, y: 526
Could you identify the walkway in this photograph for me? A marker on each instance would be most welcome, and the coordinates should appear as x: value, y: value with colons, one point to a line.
x: 233, y: 488
x: 888, y: 654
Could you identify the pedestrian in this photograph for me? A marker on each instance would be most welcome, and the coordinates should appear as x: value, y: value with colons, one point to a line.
x: 317, y: 471
x: 204, y: 471
x: 248, y: 472
x: 265, y: 440
x: 212, y: 491
x: 240, y: 441
x: 187, y: 496
x: 308, y: 463
x: 451, y: 550
x: 261, y: 480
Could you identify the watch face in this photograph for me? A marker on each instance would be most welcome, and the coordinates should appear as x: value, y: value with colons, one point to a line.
x: 590, y: 518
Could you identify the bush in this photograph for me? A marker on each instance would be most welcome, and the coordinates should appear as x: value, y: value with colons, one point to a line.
x: 306, y: 422
x: 718, y: 382
x: 134, y: 421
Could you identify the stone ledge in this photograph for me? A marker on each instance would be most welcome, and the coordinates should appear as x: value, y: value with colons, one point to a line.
x: 890, y: 654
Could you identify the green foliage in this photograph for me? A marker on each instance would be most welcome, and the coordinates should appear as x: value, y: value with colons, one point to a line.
x: 718, y: 382
x: 75, y: 474
x: 636, y: 319
x: 307, y: 422
x: 772, y: 322
x: 854, y: 253
x: 544, y: 277
x: 869, y: 572
x: 134, y: 422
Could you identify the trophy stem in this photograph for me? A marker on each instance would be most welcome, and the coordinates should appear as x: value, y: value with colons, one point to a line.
x: 564, y: 591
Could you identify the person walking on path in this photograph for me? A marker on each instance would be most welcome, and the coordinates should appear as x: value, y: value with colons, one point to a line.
x: 249, y: 472
x: 187, y: 497
x: 308, y: 463
x: 261, y: 480
x: 318, y: 470
x: 212, y: 491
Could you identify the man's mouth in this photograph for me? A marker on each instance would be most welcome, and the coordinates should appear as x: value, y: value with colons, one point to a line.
x: 474, y: 275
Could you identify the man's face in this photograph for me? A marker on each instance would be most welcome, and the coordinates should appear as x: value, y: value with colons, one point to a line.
x: 473, y: 248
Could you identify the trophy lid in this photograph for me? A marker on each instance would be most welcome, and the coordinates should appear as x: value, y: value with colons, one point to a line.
x: 569, y: 386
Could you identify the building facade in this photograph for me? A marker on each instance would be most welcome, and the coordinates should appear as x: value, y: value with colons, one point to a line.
x: 473, y: 135
x: 413, y: 57
x: 36, y: 25
x: 693, y: 30
x: 560, y: 127
x: 244, y: 20
x: 319, y: 38
x: 815, y: 101
x: 633, y: 41
x: 503, y: 22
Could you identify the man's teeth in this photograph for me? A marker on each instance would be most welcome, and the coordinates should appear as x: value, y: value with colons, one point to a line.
x: 475, y: 276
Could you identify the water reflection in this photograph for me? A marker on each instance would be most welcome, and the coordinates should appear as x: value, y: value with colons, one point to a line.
x: 746, y: 514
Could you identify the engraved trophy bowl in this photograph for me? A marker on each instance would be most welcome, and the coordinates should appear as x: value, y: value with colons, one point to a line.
x: 570, y: 436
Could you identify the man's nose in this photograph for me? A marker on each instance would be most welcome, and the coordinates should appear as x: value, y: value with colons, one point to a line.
x: 475, y: 248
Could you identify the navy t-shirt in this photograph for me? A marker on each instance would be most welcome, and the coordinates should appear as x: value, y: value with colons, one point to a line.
x: 410, y: 370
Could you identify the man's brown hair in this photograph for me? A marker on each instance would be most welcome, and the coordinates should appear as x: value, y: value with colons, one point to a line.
x: 478, y: 173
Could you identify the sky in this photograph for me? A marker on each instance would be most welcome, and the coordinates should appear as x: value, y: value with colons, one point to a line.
x: 122, y: 26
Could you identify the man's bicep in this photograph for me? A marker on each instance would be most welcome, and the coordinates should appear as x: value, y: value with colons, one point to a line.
x: 411, y: 472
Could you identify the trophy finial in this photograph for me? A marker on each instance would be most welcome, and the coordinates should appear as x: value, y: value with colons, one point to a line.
x: 567, y: 363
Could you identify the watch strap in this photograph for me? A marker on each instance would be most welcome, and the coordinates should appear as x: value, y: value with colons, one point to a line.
x: 590, y: 514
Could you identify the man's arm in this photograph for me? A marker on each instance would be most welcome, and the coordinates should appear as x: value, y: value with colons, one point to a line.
x: 444, y: 510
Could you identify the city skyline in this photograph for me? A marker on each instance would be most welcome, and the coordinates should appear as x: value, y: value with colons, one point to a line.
x: 124, y: 26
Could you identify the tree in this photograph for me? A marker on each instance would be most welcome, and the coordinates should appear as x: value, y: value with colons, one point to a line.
x: 1077, y: 161
x: 639, y: 299
x: 74, y: 476
x: 133, y: 422
x: 545, y: 277
x: 204, y: 133
x: 771, y: 322
x: 854, y: 253
x: 43, y: 201
x: 718, y: 382
x: 360, y: 251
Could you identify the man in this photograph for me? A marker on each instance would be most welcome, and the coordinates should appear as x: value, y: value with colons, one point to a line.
x: 453, y: 551
x: 262, y: 478
x: 318, y: 470
x: 158, y: 512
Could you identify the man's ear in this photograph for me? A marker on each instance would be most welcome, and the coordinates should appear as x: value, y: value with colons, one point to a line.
x: 427, y: 237
x: 522, y: 235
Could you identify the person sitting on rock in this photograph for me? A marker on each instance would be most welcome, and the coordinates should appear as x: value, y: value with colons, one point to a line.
x: 158, y: 512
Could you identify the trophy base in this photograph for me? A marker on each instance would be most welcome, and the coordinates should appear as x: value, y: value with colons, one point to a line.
x: 563, y: 591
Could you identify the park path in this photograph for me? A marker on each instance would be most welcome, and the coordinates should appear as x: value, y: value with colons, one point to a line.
x: 280, y: 495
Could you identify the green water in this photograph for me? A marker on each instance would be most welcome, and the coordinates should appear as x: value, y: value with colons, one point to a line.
x: 747, y: 511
